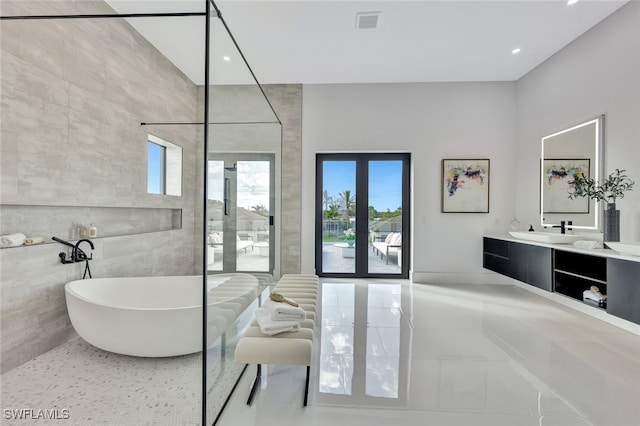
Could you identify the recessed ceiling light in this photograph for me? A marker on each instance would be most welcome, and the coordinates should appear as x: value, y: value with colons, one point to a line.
x: 570, y: 2
x: 226, y: 58
x: 516, y: 51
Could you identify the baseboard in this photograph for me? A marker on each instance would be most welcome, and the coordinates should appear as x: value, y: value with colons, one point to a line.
x: 585, y: 309
x: 458, y: 278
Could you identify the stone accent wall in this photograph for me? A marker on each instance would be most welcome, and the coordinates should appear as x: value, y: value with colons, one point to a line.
x: 74, y: 93
x: 244, y: 103
x: 286, y: 99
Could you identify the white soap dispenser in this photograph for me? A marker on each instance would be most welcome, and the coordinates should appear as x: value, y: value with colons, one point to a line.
x: 93, y: 230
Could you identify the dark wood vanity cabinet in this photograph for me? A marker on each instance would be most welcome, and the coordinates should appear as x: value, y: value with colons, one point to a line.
x: 569, y: 273
x: 623, y: 296
x: 523, y: 262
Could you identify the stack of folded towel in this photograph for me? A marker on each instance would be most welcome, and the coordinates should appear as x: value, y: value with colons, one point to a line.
x: 594, y: 294
x: 12, y: 240
x: 281, y: 311
x: 278, y: 317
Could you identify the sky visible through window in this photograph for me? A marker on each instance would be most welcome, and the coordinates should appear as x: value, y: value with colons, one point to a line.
x: 253, y: 181
x: 155, y: 164
x: 385, y: 182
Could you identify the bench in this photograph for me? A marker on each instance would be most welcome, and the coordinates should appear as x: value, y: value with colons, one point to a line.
x: 226, y: 302
x: 391, y: 244
x: 289, y: 348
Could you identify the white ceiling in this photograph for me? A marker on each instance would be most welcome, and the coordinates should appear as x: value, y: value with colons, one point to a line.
x: 316, y: 42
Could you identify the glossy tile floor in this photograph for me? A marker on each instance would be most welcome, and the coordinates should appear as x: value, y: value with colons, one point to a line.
x: 389, y: 352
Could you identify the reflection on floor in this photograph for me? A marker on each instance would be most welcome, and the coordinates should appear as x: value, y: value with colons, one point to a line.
x: 390, y: 352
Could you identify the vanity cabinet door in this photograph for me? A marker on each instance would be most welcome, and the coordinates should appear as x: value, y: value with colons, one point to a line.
x: 623, y: 289
x: 519, y: 261
x: 523, y: 262
x: 539, y: 269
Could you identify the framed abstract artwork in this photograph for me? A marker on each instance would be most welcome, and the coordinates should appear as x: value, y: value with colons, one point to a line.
x: 556, y: 184
x: 465, y: 186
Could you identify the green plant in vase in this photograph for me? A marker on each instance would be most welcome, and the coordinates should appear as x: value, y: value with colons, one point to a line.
x: 350, y: 236
x: 611, y: 189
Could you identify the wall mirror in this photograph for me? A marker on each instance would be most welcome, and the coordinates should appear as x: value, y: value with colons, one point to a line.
x: 566, y: 154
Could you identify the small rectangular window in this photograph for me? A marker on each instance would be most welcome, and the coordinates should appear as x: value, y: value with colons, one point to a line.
x: 164, y: 167
x: 156, y: 160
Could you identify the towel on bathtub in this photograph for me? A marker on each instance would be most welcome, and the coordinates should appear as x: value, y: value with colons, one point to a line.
x: 280, y: 311
x: 12, y: 240
x: 271, y: 327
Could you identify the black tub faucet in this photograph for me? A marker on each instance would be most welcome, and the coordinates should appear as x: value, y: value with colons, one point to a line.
x: 78, y: 255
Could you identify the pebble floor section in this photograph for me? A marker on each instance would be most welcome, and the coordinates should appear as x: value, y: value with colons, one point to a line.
x: 103, y: 388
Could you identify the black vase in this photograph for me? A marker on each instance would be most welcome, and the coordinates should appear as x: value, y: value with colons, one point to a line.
x: 611, y: 223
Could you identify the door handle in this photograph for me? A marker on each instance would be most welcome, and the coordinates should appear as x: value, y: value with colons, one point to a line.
x: 226, y: 196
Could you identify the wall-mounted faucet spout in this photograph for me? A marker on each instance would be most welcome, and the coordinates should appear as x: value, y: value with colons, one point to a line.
x: 77, y: 254
x: 61, y: 241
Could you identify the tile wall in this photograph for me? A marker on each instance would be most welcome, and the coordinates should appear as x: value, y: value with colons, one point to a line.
x: 74, y: 93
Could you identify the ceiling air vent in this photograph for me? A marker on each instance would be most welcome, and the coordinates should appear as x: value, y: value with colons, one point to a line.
x: 367, y: 20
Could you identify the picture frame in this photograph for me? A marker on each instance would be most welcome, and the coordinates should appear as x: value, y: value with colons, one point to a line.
x: 465, y: 185
x: 557, y: 173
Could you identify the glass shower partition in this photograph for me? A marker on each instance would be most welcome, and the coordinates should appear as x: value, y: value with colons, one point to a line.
x: 95, y: 83
x: 242, y: 206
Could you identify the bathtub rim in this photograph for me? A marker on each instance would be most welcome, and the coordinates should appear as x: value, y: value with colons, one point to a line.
x: 69, y: 291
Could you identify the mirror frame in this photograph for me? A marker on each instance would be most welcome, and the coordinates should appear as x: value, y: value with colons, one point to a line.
x: 598, y: 169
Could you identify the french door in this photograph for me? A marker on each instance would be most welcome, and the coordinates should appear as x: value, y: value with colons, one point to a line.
x: 241, y: 200
x: 362, y: 215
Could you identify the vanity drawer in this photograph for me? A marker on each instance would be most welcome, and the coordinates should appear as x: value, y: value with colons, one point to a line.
x: 496, y: 247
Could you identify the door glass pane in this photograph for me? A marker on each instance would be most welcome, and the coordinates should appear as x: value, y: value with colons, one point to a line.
x: 252, y: 215
x: 338, y: 216
x: 215, y: 212
x: 385, y: 217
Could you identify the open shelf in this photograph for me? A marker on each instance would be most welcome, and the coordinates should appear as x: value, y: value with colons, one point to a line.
x: 574, y: 273
x: 49, y: 221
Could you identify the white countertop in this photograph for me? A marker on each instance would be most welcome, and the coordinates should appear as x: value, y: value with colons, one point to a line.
x: 566, y: 247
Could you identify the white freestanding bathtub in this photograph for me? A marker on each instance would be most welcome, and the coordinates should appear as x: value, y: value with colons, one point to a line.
x: 156, y: 316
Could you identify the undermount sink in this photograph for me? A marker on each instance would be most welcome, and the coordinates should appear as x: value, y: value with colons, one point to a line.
x: 547, y: 237
x: 632, y: 249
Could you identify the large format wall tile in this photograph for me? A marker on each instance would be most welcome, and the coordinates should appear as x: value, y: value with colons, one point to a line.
x: 74, y: 93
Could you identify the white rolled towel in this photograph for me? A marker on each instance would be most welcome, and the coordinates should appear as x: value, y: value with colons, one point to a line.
x: 33, y: 240
x: 280, y: 311
x: 590, y: 295
x: 12, y: 240
x: 271, y: 327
